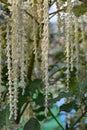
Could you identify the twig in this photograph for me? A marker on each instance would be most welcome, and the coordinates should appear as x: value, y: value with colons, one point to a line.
x: 64, y: 9
x: 54, y: 13
x: 55, y: 119
x: 52, y: 16
x: 32, y: 16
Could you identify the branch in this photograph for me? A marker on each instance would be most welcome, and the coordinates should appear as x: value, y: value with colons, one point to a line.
x: 55, y: 119
x: 53, y: 13
x: 60, y: 10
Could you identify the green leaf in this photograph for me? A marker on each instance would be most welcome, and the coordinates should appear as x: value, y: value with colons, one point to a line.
x: 33, y: 85
x: 41, y: 117
x: 40, y: 99
x: 3, y: 1
x: 32, y: 124
x: 69, y: 106
x: 79, y: 9
x: 4, y: 115
x: 23, y: 98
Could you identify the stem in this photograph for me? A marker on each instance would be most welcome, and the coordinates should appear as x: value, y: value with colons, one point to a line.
x: 55, y: 119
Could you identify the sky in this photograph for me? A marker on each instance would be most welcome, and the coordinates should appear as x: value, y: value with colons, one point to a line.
x: 52, y: 9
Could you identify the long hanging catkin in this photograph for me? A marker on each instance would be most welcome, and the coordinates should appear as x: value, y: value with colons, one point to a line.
x: 68, y: 42
x: 35, y: 26
x: 76, y: 46
x: 0, y: 63
x: 8, y: 50
x: 83, y: 39
x: 44, y: 47
x: 83, y: 32
x: 72, y: 45
x: 14, y: 39
x: 22, y: 52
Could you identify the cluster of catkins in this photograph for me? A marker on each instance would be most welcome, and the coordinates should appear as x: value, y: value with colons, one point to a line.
x: 35, y: 15
x: 17, y: 45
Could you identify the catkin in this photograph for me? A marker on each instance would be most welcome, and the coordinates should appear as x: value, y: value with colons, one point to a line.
x: 22, y: 52
x: 35, y: 26
x: 19, y: 51
x: 68, y: 42
x: 0, y: 63
x: 82, y: 30
x: 45, y: 42
x: 72, y: 48
x: 83, y: 39
x: 8, y: 50
x: 76, y: 46
x: 71, y: 43
x: 14, y: 39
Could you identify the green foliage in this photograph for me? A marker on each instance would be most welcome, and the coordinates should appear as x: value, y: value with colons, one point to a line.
x: 33, y: 85
x: 69, y: 106
x: 4, y: 115
x: 80, y: 9
x: 40, y: 99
